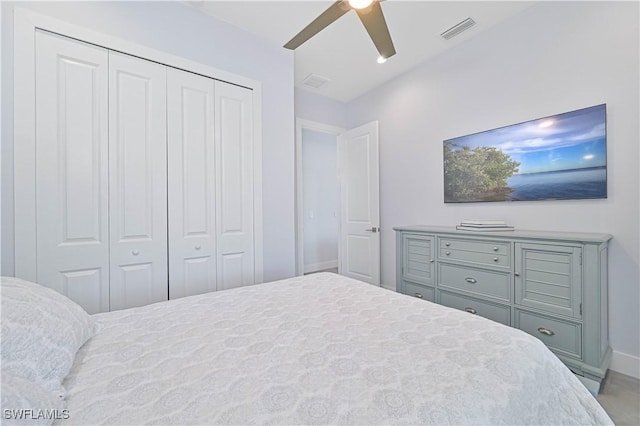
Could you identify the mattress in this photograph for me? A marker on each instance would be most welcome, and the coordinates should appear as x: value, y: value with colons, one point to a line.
x: 319, y: 349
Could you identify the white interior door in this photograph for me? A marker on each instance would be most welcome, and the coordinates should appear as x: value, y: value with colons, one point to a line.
x: 191, y: 173
x: 72, y: 170
x: 359, y: 203
x: 137, y: 181
x: 234, y: 185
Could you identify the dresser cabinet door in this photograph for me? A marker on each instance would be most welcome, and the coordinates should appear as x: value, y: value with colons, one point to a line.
x: 418, y: 258
x: 549, y: 278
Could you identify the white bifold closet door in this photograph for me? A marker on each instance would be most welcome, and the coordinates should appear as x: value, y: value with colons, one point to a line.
x: 210, y: 164
x: 137, y: 181
x: 144, y: 178
x: 234, y: 188
x: 192, y: 179
x: 72, y: 170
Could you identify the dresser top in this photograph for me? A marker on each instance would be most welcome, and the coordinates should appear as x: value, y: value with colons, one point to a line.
x: 586, y: 237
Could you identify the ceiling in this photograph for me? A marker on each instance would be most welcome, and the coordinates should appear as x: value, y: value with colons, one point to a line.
x: 344, y: 53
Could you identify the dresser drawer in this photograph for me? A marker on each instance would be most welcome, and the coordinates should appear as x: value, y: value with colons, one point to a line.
x: 486, y: 253
x: 482, y: 282
x: 492, y: 311
x: 562, y: 336
x: 419, y: 291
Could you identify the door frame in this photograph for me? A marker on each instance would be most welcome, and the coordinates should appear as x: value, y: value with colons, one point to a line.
x: 26, y: 23
x: 319, y: 127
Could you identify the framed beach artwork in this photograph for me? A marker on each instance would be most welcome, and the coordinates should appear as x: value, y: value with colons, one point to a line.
x: 559, y: 157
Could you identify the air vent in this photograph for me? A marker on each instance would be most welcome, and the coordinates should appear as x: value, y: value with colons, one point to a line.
x: 315, y: 81
x: 458, y: 28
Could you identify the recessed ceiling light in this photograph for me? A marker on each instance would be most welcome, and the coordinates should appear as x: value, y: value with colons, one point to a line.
x: 382, y: 59
x: 360, y: 4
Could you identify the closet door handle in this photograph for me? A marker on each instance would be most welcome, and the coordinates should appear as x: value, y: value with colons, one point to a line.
x: 470, y: 310
x: 418, y: 295
x: 471, y: 280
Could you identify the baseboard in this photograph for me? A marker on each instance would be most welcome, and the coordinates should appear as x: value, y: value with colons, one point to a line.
x: 320, y: 266
x: 625, y: 364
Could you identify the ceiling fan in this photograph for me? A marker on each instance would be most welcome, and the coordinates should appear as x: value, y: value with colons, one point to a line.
x: 371, y: 16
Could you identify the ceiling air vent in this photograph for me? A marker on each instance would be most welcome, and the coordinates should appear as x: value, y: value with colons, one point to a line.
x: 458, y: 28
x: 315, y: 81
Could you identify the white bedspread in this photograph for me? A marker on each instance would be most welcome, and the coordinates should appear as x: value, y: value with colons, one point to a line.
x: 320, y: 349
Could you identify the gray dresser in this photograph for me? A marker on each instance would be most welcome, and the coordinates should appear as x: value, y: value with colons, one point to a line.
x: 552, y: 285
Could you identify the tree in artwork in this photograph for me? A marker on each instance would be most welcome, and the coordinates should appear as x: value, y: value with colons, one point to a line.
x: 480, y: 173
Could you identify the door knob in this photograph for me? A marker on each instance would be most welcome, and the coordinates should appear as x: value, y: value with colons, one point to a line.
x: 373, y: 229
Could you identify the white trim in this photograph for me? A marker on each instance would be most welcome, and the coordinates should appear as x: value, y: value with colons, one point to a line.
x: 258, y: 255
x: 625, y: 364
x: 26, y: 23
x: 319, y: 127
x: 320, y: 266
x: 24, y: 127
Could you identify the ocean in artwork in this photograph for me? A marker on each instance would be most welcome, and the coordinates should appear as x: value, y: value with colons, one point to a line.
x: 562, y: 184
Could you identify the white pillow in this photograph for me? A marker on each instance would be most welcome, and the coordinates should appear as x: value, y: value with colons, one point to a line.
x: 41, y: 332
x: 26, y: 403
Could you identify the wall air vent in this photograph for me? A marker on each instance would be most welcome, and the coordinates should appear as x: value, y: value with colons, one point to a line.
x: 458, y: 28
x: 315, y: 81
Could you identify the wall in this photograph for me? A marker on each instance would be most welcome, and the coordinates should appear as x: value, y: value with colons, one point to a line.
x: 313, y: 107
x: 320, y: 187
x: 551, y: 58
x: 178, y: 29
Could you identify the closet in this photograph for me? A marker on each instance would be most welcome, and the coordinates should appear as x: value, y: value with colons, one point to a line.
x: 143, y: 178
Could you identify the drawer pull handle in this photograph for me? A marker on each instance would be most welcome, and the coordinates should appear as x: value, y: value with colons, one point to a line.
x: 546, y: 331
x: 135, y: 252
x: 447, y: 244
x: 471, y: 280
x: 447, y: 253
x: 495, y: 259
x: 198, y: 247
x: 470, y: 310
x: 418, y: 295
x: 431, y: 260
x: 495, y: 249
x: 517, y: 274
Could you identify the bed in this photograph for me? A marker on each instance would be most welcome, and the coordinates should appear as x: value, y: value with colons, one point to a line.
x: 319, y: 349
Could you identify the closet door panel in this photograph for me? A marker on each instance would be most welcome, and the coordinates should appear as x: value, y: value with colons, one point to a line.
x: 192, y: 261
x: 72, y: 170
x: 234, y: 196
x: 137, y: 181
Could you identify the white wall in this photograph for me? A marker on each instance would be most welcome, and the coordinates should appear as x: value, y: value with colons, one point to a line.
x: 320, y: 188
x: 178, y: 29
x: 551, y: 58
x: 313, y: 107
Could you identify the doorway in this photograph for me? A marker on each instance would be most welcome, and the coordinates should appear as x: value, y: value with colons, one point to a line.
x: 317, y: 197
x: 337, y: 200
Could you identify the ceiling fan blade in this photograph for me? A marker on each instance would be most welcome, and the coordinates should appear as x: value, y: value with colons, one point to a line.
x: 373, y: 20
x: 334, y: 11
